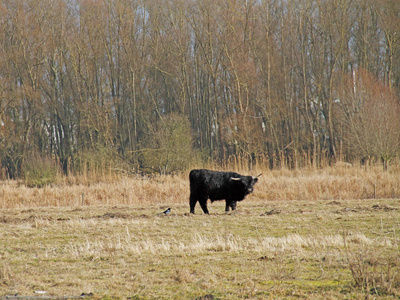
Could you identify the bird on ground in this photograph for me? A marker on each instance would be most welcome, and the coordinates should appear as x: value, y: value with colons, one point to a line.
x: 167, y: 211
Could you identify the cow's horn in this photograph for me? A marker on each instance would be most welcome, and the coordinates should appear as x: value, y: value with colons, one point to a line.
x: 254, y: 177
x: 237, y: 179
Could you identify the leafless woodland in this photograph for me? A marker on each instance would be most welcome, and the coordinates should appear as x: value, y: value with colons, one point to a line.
x: 153, y: 86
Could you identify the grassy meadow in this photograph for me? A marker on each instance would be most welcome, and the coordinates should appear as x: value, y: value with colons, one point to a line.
x: 321, y: 234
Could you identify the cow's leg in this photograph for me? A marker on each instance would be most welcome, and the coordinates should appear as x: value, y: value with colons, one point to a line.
x: 227, y: 205
x: 203, y: 204
x: 193, y: 202
x: 230, y: 204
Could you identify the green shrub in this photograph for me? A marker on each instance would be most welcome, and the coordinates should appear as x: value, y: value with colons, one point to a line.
x: 169, y: 146
x: 39, y: 171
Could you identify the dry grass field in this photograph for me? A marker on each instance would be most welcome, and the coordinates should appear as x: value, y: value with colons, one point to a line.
x: 316, y: 234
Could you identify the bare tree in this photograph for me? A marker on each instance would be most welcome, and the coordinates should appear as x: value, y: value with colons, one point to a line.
x: 371, y: 116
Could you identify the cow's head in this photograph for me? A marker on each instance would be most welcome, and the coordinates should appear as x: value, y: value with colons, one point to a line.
x: 247, y: 182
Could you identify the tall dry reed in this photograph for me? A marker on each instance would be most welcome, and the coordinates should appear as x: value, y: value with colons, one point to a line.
x: 329, y: 183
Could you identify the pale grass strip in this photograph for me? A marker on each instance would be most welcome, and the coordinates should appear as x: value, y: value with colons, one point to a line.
x: 218, y: 243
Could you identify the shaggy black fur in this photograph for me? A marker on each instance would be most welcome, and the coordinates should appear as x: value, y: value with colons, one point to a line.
x: 214, y: 185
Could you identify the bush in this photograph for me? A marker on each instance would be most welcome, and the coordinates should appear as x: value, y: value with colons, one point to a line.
x: 39, y: 171
x: 169, y: 146
x: 375, y: 272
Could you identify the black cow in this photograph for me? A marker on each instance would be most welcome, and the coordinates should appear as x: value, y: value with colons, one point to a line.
x: 214, y: 185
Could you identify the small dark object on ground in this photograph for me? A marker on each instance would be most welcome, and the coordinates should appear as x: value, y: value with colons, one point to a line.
x: 206, y: 297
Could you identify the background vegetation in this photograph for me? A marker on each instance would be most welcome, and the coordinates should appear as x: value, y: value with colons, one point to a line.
x: 289, y: 83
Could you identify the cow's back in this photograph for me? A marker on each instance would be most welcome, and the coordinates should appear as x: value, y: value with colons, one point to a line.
x: 208, y: 183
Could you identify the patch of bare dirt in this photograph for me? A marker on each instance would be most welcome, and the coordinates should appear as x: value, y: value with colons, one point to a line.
x: 115, y: 215
x: 271, y: 212
x: 383, y: 207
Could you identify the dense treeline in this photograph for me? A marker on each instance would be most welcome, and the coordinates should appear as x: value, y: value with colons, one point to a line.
x: 147, y: 84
